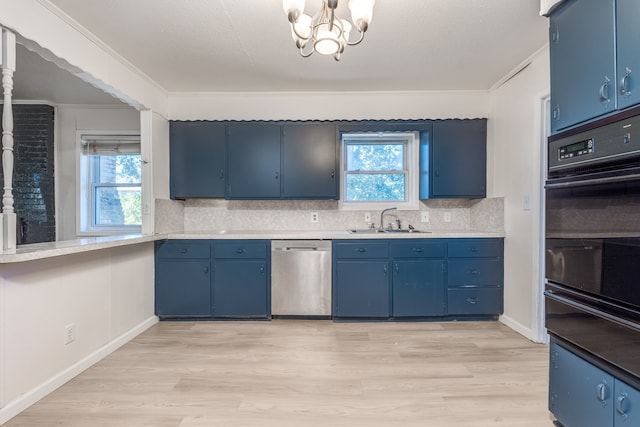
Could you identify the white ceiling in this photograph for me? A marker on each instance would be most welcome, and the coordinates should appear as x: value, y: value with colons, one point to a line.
x: 245, y: 45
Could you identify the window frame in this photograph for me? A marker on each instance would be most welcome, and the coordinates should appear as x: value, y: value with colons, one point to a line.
x: 86, y: 190
x: 411, y: 169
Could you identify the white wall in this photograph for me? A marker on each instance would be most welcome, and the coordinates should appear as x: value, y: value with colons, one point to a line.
x: 515, y: 138
x: 328, y: 105
x: 82, y: 53
x: 69, y: 120
x: 155, y: 165
x: 108, y: 294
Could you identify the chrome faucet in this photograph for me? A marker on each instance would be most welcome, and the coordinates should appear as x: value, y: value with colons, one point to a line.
x: 381, y: 228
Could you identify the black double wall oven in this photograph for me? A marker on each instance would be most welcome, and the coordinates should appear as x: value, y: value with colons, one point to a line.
x: 592, y: 244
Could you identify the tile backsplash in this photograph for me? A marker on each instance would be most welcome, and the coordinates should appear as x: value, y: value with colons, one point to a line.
x: 215, y: 214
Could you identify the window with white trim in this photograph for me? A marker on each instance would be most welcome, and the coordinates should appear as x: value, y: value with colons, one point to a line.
x: 379, y: 170
x: 110, y: 184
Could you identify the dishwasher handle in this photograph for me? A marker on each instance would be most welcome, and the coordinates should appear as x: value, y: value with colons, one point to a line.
x: 298, y: 248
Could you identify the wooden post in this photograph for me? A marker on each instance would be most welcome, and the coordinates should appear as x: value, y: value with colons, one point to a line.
x: 8, y: 68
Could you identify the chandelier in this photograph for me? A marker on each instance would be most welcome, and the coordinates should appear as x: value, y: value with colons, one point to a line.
x: 326, y: 33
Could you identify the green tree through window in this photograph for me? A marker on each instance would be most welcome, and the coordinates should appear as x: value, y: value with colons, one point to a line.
x: 375, y: 171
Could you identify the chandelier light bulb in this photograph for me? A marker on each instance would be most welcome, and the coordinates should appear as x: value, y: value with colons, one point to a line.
x: 361, y: 13
x: 293, y: 9
x: 325, y: 32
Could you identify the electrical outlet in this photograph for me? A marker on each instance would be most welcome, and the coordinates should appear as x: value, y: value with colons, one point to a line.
x: 314, y: 217
x: 424, y: 216
x: 367, y: 217
x: 69, y: 333
x: 447, y: 217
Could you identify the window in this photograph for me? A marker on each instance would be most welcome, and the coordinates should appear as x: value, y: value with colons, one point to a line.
x: 110, y: 184
x: 379, y: 170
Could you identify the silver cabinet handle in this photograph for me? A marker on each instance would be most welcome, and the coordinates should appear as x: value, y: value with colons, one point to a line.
x: 602, y: 392
x: 624, y: 88
x: 604, y: 91
x: 622, y: 405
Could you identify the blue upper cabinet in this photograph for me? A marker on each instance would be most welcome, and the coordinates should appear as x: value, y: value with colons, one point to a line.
x: 197, y: 159
x: 253, y: 151
x: 628, y: 59
x: 310, y: 167
x: 583, y: 35
x: 457, y: 159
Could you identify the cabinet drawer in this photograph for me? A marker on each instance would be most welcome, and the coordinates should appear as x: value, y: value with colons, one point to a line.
x: 475, y: 272
x: 186, y: 249
x: 240, y: 249
x: 474, y: 300
x: 475, y: 248
x: 361, y: 250
x: 418, y: 249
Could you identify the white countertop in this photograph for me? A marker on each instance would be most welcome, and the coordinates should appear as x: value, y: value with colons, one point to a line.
x: 66, y: 247
x: 327, y: 234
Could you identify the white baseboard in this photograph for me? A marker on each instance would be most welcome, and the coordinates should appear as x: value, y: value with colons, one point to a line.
x: 517, y: 326
x: 23, y: 402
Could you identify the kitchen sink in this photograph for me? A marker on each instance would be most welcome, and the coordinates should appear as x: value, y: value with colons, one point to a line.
x: 376, y: 231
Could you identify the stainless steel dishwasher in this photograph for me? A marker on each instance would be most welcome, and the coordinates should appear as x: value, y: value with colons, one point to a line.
x: 301, y: 278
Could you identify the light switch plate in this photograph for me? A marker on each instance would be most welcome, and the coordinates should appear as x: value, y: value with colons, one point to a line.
x: 424, y: 216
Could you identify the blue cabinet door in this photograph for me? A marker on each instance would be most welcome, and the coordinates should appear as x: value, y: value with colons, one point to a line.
x: 183, y: 288
x: 627, y: 405
x: 361, y: 289
x: 582, y: 49
x: 197, y: 159
x: 241, y: 289
x: 628, y: 60
x: 309, y: 161
x: 580, y: 394
x: 253, y: 151
x: 458, y: 159
x: 418, y: 288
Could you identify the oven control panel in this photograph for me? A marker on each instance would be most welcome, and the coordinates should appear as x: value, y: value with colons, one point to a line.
x: 576, y: 149
x: 593, y: 149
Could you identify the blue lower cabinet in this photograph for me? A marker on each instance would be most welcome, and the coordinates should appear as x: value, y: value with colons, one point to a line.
x: 475, y: 277
x: 417, y: 279
x: 361, y: 289
x: 183, y: 288
x: 419, y: 288
x: 580, y: 394
x: 240, y: 289
x: 627, y: 405
x: 474, y: 300
x: 209, y: 279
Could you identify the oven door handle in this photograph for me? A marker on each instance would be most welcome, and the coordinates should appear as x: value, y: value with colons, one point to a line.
x: 593, y: 181
x: 588, y: 309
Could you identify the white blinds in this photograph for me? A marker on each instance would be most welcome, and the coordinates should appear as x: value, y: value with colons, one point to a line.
x: 105, y: 145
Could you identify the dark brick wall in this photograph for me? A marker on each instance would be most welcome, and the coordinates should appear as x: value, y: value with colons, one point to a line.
x: 33, y: 184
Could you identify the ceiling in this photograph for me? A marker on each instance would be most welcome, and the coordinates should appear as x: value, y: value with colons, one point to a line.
x: 242, y: 45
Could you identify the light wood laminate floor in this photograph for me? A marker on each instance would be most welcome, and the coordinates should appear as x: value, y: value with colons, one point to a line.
x: 308, y: 373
